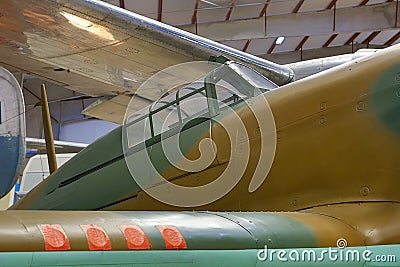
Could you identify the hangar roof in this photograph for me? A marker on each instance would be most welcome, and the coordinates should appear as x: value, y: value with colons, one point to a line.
x: 254, y: 26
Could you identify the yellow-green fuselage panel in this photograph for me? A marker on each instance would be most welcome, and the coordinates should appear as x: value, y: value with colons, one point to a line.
x: 338, y: 141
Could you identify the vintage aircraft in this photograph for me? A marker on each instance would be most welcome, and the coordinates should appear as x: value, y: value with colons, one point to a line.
x: 273, y: 170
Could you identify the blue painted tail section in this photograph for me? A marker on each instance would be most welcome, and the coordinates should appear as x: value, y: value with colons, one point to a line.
x: 12, y: 131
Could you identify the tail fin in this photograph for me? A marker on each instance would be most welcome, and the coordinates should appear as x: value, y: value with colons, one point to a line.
x: 12, y: 131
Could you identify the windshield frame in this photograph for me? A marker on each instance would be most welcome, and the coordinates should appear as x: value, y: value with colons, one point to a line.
x: 208, y: 90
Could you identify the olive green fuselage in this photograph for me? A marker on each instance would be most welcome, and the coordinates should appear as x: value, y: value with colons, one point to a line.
x: 338, y: 143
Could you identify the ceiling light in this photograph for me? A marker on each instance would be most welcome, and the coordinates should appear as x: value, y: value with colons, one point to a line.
x: 208, y: 2
x: 279, y: 40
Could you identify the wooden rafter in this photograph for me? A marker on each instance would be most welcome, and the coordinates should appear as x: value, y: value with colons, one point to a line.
x: 331, y: 4
x: 196, y: 8
x: 272, y: 47
x: 371, y: 37
x: 298, y: 6
x: 160, y: 9
x: 230, y: 11
x: 300, y: 45
x: 264, y: 9
x: 330, y: 40
x: 393, y: 39
x: 352, y: 38
x: 246, y: 46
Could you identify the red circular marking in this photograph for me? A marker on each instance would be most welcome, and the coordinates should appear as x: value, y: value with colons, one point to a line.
x: 134, y: 236
x: 96, y: 237
x: 172, y: 236
x: 55, y: 238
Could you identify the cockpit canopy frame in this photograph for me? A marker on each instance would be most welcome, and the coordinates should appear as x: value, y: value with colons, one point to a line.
x: 190, y: 104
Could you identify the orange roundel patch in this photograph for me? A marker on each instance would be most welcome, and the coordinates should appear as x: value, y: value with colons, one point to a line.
x: 172, y: 237
x: 97, y: 238
x: 54, y: 237
x: 135, y: 237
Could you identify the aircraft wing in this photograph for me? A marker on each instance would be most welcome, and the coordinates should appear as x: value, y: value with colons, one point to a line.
x: 239, y: 239
x: 101, y: 50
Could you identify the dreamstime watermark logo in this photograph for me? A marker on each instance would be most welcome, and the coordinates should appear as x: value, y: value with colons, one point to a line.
x: 157, y: 139
x: 339, y: 254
